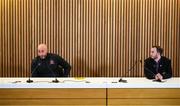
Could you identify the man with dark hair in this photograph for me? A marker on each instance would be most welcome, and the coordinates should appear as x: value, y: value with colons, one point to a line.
x: 157, y: 66
x: 49, y: 65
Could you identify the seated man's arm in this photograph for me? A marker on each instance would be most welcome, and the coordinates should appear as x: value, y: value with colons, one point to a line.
x: 167, y: 72
x: 148, y: 70
x: 65, y: 65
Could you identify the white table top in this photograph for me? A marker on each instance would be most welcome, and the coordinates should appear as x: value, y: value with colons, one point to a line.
x: 99, y: 82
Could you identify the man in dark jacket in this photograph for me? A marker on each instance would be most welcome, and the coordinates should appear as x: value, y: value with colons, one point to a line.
x: 48, y: 64
x: 157, y: 66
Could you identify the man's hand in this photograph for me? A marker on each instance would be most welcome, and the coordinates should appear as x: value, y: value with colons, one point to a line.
x: 158, y: 76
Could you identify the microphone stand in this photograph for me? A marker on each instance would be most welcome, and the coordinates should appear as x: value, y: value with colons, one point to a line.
x: 29, y: 80
x: 56, y: 80
x: 131, y: 68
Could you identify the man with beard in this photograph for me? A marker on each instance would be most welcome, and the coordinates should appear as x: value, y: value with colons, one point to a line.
x: 157, y: 67
x: 48, y: 64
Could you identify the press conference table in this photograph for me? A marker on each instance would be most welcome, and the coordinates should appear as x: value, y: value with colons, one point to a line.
x: 89, y: 92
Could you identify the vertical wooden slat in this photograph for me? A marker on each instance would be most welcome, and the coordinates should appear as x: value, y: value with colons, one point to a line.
x: 1, y: 37
x: 97, y: 37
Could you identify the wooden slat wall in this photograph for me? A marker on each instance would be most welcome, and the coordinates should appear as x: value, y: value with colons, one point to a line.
x: 97, y: 37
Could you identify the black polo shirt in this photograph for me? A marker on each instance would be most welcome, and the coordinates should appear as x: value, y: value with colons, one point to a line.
x: 52, y: 66
x: 163, y: 66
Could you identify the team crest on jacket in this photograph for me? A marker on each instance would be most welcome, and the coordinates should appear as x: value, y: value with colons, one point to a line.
x: 51, y: 62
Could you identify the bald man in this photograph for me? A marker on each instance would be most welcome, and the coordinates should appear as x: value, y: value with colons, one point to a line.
x: 48, y: 64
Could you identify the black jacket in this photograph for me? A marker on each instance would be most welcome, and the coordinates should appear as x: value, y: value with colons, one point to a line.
x: 164, y: 68
x: 52, y: 66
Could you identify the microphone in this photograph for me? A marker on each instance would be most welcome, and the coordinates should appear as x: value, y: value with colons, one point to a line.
x: 56, y: 80
x: 130, y: 69
x: 29, y: 80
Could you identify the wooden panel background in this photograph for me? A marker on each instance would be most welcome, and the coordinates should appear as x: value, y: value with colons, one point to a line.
x: 85, y: 97
x: 97, y: 37
x: 143, y: 97
x: 53, y: 97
